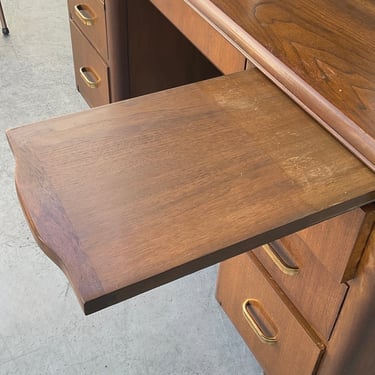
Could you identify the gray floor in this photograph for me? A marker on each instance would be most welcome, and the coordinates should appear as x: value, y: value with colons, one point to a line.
x: 175, y: 329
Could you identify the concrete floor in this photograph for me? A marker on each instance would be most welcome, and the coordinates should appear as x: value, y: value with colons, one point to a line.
x: 175, y: 329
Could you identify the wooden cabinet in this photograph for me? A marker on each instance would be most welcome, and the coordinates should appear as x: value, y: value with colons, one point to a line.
x: 199, y: 174
x: 90, y: 70
x: 301, y: 276
x: 117, y: 50
x: 89, y: 16
x: 279, y: 337
x: 315, y: 288
x: 90, y: 50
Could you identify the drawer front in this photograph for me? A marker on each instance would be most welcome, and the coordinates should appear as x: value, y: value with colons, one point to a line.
x: 301, y: 276
x: 338, y: 243
x: 89, y: 16
x: 90, y: 70
x: 212, y: 44
x: 277, y: 335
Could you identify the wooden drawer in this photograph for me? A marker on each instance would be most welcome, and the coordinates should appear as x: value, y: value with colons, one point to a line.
x: 338, y: 243
x: 301, y: 276
x: 91, y: 72
x: 212, y: 44
x: 89, y: 16
x: 245, y: 294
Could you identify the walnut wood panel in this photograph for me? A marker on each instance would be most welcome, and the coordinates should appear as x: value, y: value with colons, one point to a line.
x: 85, y: 56
x: 345, y: 235
x: 212, y: 44
x: 160, y: 57
x: 128, y: 196
x: 297, y: 349
x: 312, y: 289
x: 351, y: 348
x: 95, y: 31
x: 321, y: 53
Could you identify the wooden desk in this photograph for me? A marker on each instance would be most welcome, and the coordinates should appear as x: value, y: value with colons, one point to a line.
x: 322, y: 54
x: 131, y: 195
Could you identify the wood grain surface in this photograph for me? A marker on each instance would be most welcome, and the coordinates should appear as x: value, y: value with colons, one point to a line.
x: 131, y: 195
x: 322, y: 53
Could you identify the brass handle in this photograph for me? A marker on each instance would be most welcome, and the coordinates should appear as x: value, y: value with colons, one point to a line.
x: 89, y: 76
x: 279, y: 262
x: 85, y: 14
x: 267, y: 339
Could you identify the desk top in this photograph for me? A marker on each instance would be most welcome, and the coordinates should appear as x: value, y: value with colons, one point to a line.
x: 322, y: 53
x: 132, y: 195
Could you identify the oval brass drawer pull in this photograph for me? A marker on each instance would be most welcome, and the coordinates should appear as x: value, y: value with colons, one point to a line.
x: 252, y: 321
x: 85, y: 14
x: 279, y: 261
x: 89, y: 76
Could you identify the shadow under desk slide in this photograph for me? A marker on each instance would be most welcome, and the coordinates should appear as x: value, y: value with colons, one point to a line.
x: 131, y: 195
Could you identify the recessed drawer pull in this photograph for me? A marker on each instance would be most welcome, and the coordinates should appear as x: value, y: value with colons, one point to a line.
x: 89, y: 76
x: 279, y: 261
x: 85, y: 14
x: 251, y: 308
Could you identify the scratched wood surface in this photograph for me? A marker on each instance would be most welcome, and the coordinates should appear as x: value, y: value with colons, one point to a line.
x: 131, y: 195
x: 322, y: 53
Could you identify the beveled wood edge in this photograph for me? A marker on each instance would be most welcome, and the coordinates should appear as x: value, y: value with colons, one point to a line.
x: 40, y: 240
x: 47, y: 250
x: 330, y: 117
